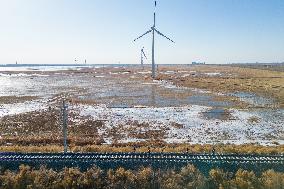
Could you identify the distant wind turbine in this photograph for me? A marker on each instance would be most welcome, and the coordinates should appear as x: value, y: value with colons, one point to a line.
x: 153, y: 30
x: 143, y: 56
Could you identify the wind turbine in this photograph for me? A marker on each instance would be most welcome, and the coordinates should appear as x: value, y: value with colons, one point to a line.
x: 153, y: 30
x: 143, y: 56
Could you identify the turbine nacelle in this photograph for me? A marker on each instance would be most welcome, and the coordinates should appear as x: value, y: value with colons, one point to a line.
x: 153, y: 29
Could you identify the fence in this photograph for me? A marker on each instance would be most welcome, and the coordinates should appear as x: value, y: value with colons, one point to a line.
x: 133, y: 160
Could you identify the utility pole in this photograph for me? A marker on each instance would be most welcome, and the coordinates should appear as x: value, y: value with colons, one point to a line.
x: 64, y: 124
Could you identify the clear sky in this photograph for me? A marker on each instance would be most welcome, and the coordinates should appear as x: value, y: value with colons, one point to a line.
x: 102, y: 31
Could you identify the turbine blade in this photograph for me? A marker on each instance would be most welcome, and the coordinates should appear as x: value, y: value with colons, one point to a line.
x: 143, y: 35
x: 163, y: 35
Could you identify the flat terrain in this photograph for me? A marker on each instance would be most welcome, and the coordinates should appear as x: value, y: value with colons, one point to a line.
x: 228, y: 79
x: 123, y: 106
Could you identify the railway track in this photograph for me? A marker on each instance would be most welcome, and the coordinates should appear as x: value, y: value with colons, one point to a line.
x: 142, y: 157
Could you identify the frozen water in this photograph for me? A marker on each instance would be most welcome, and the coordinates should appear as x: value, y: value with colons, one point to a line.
x: 253, y: 99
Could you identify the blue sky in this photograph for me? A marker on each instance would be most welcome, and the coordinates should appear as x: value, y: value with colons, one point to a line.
x: 102, y: 31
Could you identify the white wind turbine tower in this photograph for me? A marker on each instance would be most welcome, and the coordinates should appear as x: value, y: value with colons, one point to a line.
x: 143, y: 56
x: 153, y: 30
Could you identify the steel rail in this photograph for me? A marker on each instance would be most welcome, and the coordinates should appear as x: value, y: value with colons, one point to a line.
x: 151, y: 157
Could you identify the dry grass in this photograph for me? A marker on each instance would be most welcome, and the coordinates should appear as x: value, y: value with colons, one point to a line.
x: 44, y: 127
x: 154, y: 146
x: 254, y: 119
x: 233, y: 79
x: 188, y: 176
x: 41, y: 123
x: 16, y: 99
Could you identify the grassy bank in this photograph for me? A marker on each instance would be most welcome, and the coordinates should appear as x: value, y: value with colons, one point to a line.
x: 153, y: 147
x: 143, y: 178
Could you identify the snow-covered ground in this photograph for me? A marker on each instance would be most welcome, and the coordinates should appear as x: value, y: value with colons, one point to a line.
x: 213, y: 74
x: 19, y: 108
x: 195, y: 128
x: 160, y: 107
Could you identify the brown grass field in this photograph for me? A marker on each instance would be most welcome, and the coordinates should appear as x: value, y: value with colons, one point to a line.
x: 233, y: 79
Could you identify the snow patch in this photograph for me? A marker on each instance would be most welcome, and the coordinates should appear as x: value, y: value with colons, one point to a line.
x: 192, y: 127
x: 213, y: 74
x: 18, y: 108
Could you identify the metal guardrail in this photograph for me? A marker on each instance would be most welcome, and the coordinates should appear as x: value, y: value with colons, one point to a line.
x: 150, y: 157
